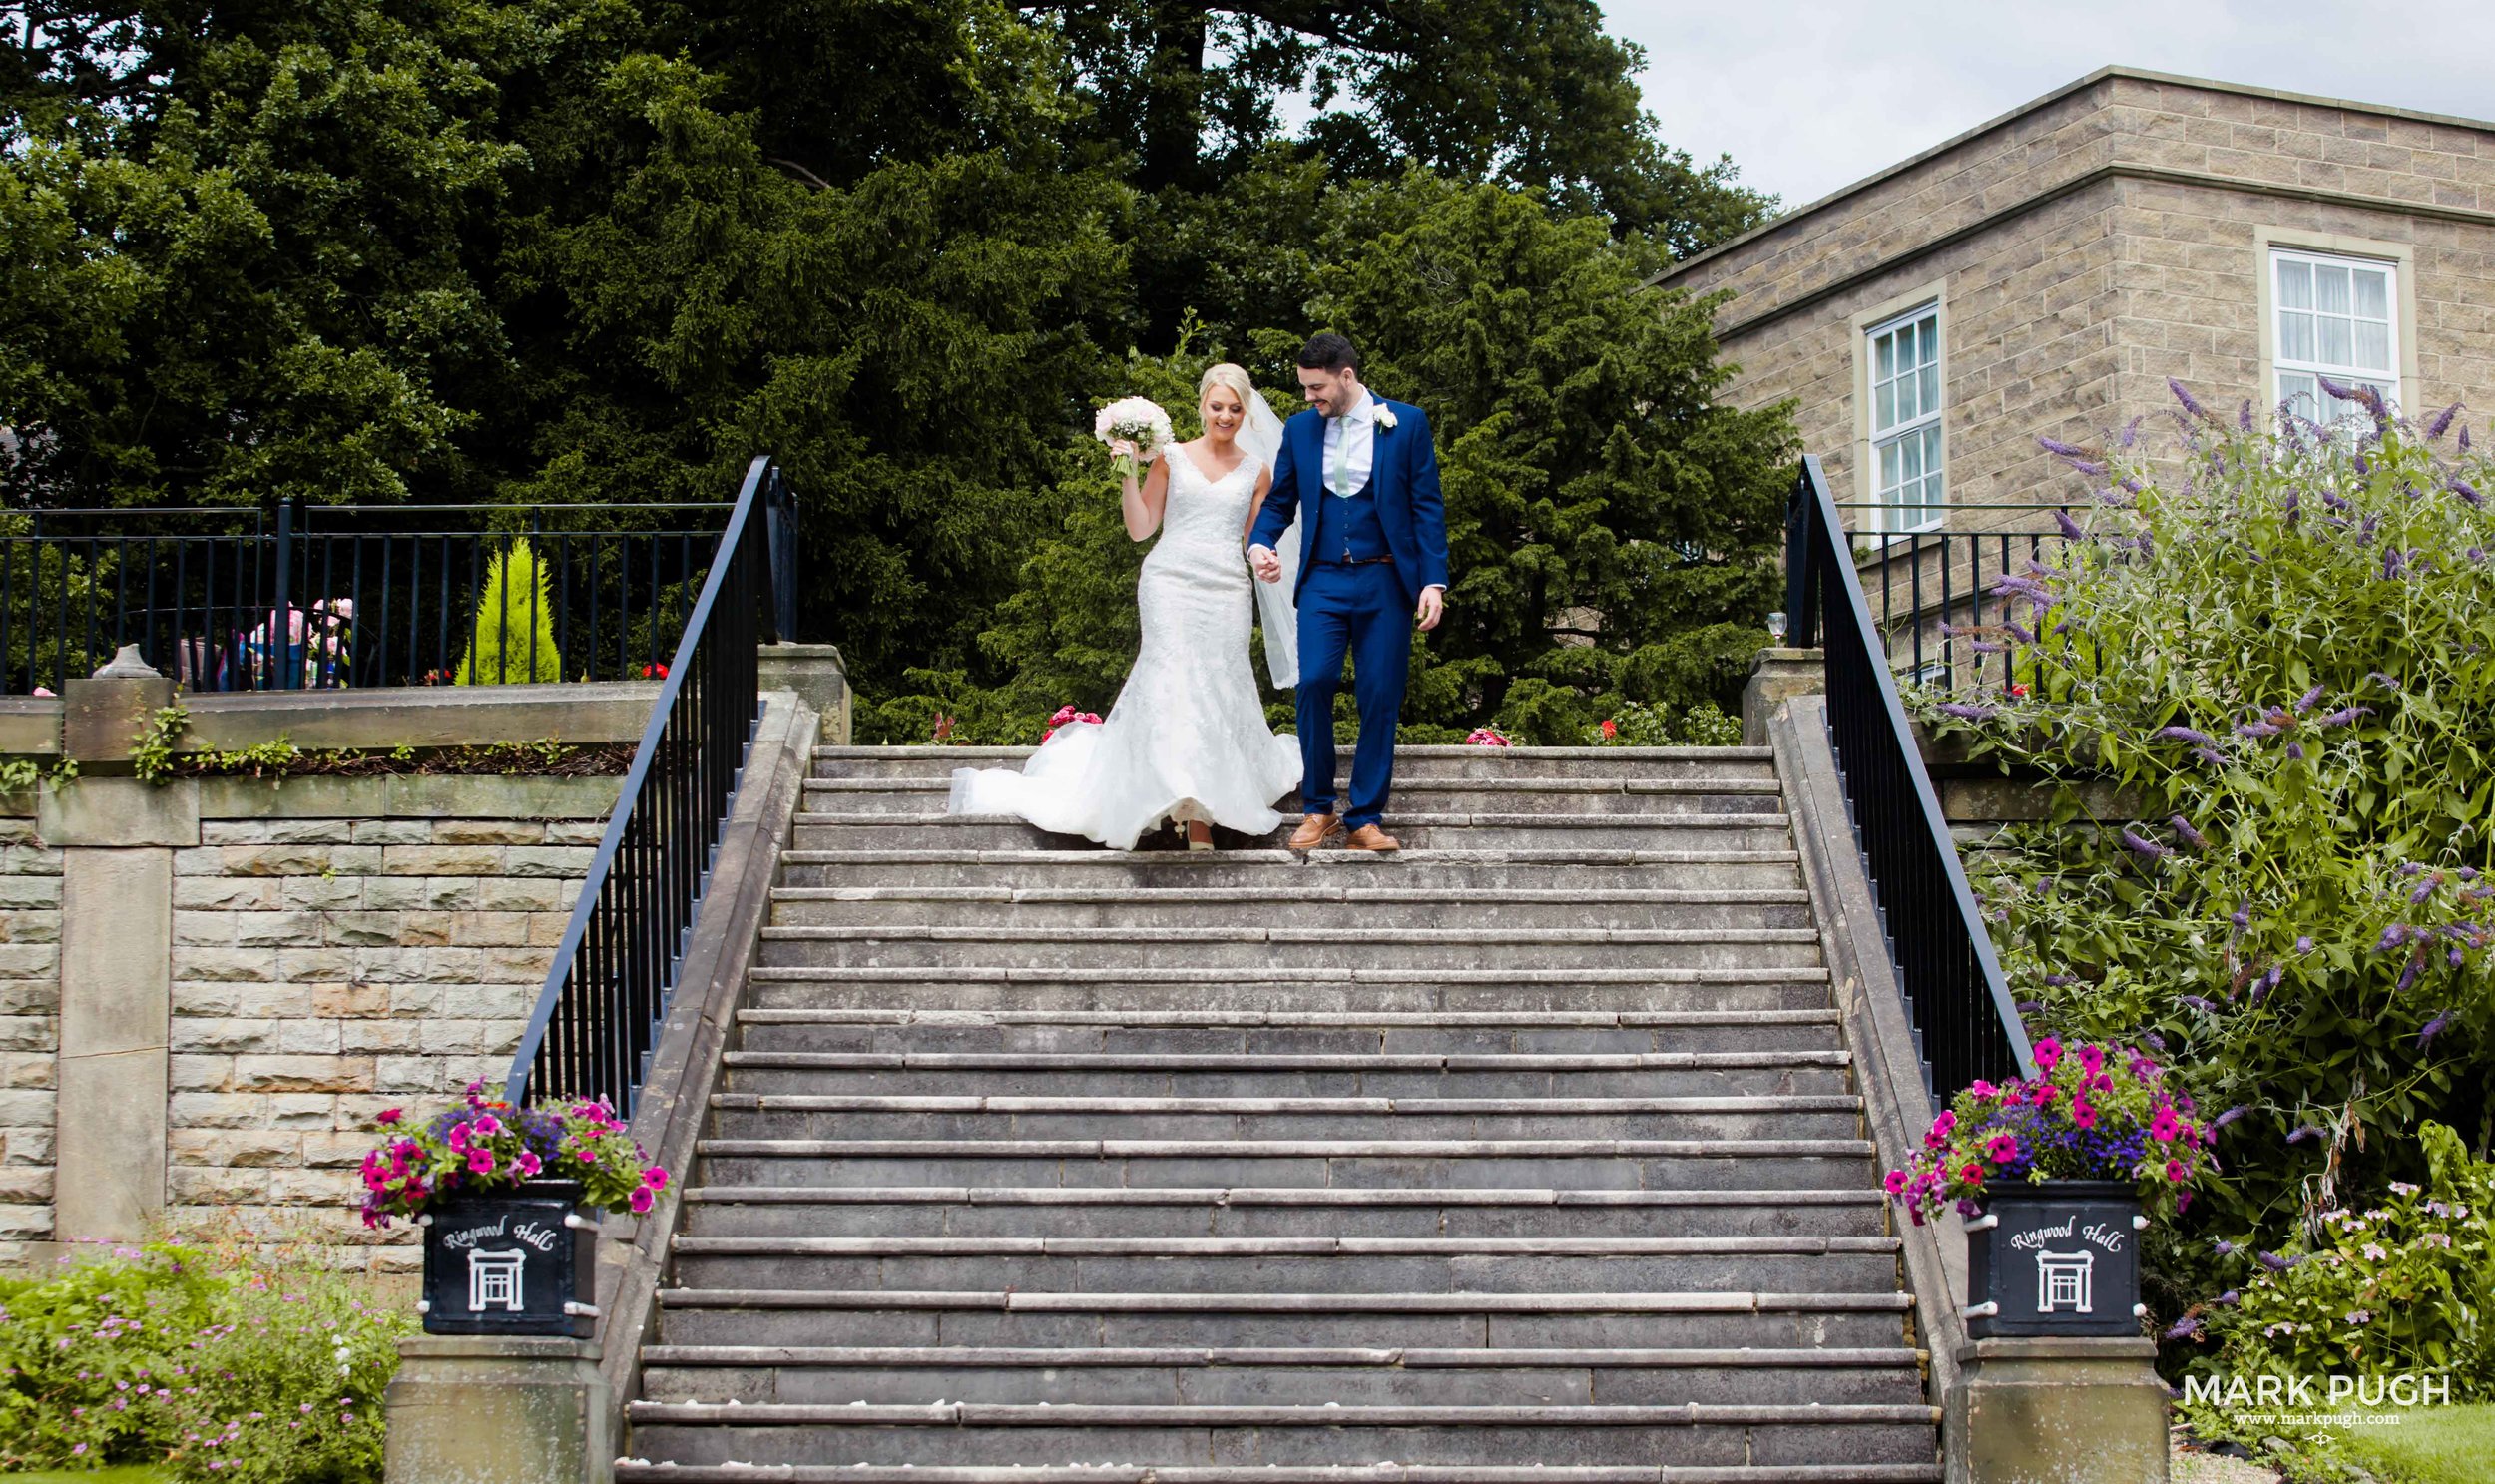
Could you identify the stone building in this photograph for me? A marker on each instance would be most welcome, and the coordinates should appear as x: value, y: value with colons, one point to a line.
x: 2045, y: 273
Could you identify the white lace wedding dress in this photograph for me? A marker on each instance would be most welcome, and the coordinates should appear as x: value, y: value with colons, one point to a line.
x: 1187, y: 738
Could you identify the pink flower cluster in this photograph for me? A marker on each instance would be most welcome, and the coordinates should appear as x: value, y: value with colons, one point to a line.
x: 1487, y: 736
x: 485, y: 1143
x: 1066, y: 716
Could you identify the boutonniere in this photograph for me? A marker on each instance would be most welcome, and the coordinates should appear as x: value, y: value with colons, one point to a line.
x: 1387, y: 417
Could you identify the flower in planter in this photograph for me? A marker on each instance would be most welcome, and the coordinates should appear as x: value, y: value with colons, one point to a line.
x: 484, y: 1144
x: 2075, y: 1120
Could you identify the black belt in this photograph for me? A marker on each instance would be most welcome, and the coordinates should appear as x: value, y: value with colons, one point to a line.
x: 1355, y: 561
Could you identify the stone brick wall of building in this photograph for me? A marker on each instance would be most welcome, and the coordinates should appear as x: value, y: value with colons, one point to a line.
x: 2097, y: 243
x: 324, y: 969
x: 30, y: 1001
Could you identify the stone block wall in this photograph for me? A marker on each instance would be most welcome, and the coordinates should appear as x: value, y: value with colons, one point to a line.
x: 30, y: 1002
x: 2095, y: 242
x: 336, y: 946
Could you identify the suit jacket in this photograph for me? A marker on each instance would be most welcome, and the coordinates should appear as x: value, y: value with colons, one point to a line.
x: 1403, y: 480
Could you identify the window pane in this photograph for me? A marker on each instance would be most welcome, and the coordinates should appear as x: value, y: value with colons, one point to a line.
x: 2296, y: 336
x: 2338, y: 348
x: 1884, y: 407
x: 2373, y: 294
x: 2331, y: 290
x: 1932, y: 388
x: 1929, y: 332
x: 2298, y: 393
x: 2296, y: 285
x: 1884, y: 357
x: 1910, y: 452
x: 2373, y: 345
x: 1889, y: 470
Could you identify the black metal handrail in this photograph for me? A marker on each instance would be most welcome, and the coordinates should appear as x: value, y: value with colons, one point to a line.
x: 243, y: 599
x: 596, y: 1018
x: 1965, y: 1023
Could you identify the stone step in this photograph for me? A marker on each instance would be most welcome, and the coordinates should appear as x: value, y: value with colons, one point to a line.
x: 1658, y: 1075
x: 1252, y: 947
x: 1290, y: 1376
x: 632, y: 1471
x: 754, y: 1116
x: 1412, y: 764
x: 1726, y: 1032
x: 1418, y: 830
x: 924, y: 862
x: 991, y: 988
x: 1521, y: 794
x: 1287, y: 901
x: 993, y: 1434
x: 1176, y: 1210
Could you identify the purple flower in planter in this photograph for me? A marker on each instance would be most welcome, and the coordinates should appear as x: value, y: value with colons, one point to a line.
x: 1966, y: 711
x: 2409, y: 975
x: 2442, y: 422
x: 2434, y: 1028
x: 2146, y: 849
x: 2187, y: 735
x: 2186, y: 833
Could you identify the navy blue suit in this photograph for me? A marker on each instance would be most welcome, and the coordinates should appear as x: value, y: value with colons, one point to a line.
x: 1351, y: 602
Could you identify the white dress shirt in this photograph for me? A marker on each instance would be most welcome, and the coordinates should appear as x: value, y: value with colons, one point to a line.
x: 1352, y: 447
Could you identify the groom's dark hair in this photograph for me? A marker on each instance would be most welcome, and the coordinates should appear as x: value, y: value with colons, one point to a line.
x: 1329, y: 352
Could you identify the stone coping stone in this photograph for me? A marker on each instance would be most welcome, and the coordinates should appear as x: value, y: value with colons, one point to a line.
x: 409, y: 796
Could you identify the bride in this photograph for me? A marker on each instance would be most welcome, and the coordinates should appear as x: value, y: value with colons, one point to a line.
x: 1187, y: 741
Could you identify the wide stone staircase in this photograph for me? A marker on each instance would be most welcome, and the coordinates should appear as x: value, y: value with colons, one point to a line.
x: 1528, y: 1157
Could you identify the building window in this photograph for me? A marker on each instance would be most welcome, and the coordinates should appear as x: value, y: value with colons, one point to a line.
x: 1905, y: 422
x: 2336, y: 318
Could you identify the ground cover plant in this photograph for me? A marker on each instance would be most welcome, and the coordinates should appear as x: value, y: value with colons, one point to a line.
x: 226, y: 1361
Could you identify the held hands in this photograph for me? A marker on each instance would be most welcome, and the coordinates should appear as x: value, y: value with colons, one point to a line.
x: 1265, y: 563
x: 1433, y: 608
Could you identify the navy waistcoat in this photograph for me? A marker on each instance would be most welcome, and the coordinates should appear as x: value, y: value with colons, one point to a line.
x: 1347, y: 528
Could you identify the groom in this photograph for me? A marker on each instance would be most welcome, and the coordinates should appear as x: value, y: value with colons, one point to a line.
x: 1375, y: 551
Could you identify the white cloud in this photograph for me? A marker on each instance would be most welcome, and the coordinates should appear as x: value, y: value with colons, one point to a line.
x: 1809, y: 95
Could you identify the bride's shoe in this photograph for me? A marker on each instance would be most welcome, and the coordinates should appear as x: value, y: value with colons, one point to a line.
x: 1199, y: 835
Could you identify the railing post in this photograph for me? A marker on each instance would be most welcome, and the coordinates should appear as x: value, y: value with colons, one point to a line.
x: 280, y: 627
x: 780, y: 516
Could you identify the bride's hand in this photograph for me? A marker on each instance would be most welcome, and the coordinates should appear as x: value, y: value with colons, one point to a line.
x: 1124, y: 448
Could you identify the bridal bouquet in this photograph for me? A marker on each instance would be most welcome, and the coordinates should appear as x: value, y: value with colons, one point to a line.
x: 1139, y: 421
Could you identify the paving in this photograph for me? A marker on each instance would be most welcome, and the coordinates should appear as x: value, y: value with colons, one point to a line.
x: 1532, y: 1156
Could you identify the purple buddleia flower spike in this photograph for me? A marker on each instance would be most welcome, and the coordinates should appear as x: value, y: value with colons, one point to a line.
x: 2468, y: 492
x: 2364, y: 533
x: 2060, y: 449
x: 2343, y: 716
x: 2304, y: 946
x: 2187, y: 735
x: 2155, y: 1042
x: 2389, y: 682
x: 2434, y: 1028
x: 2060, y: 981
x: 2244, y: 415
x: 2070, y: 528
x: 2018, y: 630
x: 2011, y: 586
x: 2186, y: 833
x: 2310, y: 698
x: 2029, y: 1007
x: 2363, y: 464
x: 2241, y: 918
x: 2144, y: 848
x: 2336, y: 391
x: 2184, y: 395
x: 1987, y: 647
x: 2477, y: 554
x: 2457, y: 956
x: 2294, y: 506
x: 2229, y: 1116
x: 2183, y: 1329
x: 2394, y: 563
x: 2464, y: 437
x: 2210, y: 756
x: 2295, y: 752
x: 2408, y: 976
x: 2147, y: 548
x: 2258, y: 729
x: 2392, y: 937
x: 2442, y: 422
x: 2302, y: 1131
x: 2200, y: 1004
x: 2130, y: 435
x: 2424, y: 889
x: 1965, y: 712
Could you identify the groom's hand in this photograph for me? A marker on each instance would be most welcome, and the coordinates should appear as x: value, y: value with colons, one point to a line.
x: 1267, y: 564
x: 1433, y: 608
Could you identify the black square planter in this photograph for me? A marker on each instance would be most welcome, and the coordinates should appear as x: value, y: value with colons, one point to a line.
x: 2061, y: 1258
x: 515, y: 1262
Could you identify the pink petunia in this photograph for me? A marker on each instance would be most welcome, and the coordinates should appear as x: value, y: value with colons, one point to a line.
x: 641, y: 1200
x: 2047, y: 1052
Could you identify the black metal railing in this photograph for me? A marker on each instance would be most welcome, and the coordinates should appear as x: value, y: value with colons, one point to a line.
x: 596, y: 1019
x: 1965, y: 1023
x: 323, y: 597
x: 1931, y: 591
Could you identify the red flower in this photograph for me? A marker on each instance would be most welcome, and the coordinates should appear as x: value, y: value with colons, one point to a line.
x: 387, y: 1116
x: 2019, y: 691
x: 653, y: 672
x: 1609, y: 727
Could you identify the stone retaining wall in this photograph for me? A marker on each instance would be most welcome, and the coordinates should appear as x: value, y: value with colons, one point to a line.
x: 30, y: 1003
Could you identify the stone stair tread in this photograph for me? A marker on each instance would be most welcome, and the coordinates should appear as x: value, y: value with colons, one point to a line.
x: 1304, y: 1195
x: 1004, y: 1103
x: 864, y: 752
x: 1251, y: 1247
x: 948, y: 1356
x: 1005, y: 933
x: 1439, y: 783
x: 1319, y: 860
x: 1274, y: 974
x: 1304, y: 1149
x: 1375, y: 1473
x: 1041, y: 1414
x: 1376, y: 895
x: 1409, y: 819
x: 1023, y: 1301
x: 1266, y: 1019
x: 1255, y: 1060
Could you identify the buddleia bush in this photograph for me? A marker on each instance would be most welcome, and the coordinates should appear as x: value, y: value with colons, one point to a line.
x: 2276, y: 643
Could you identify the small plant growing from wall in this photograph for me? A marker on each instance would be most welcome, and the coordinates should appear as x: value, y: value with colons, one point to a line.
x: 512, y: 640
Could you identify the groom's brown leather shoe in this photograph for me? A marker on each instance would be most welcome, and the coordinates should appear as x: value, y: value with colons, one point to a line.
x: 1315, y: 831
x: 1370, y: 837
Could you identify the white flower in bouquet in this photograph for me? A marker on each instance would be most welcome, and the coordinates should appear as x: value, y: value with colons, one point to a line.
x: 1138, y: 421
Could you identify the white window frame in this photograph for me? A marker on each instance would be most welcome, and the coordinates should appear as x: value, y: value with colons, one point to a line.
x: 2389, y: 377
x: 1927, y: 425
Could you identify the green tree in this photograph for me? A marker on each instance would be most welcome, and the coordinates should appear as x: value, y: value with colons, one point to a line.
x: 512, y: 640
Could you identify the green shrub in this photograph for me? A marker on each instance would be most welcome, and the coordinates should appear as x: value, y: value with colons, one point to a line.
x: 513, y: 641
x: 1636, y: 725
x: 2402, y: 1287
x: 216, y: 1366
x: 2282, y: 648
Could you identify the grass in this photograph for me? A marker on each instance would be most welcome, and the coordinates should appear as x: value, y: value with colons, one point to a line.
x: 2431, y: 1445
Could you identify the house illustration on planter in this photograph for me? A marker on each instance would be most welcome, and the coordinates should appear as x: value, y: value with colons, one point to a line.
x: 2063, y: 1280
x: 2045, y: 273
x: 494, y: 1280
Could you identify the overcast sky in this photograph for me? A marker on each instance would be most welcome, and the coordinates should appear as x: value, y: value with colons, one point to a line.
x: 1810, y: 94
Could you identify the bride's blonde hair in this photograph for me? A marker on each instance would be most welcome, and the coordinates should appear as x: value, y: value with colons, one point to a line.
x: 1227, y: 375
